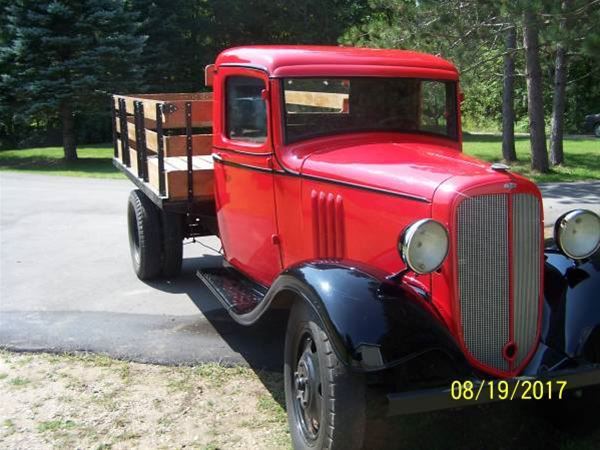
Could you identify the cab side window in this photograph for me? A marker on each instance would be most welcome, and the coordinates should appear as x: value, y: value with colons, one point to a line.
x: 246, y: 110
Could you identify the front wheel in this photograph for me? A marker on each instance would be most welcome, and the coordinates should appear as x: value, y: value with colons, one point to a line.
x: 597, y: 130
x: 325, y: 401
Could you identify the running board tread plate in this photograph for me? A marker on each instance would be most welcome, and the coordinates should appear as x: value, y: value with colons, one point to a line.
x: 238, y: 294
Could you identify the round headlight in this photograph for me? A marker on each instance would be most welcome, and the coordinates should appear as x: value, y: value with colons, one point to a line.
x: 424, y: 246
x: 577, y: 233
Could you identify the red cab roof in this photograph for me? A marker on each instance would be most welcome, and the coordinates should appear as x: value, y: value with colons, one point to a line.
x: 300, y: 60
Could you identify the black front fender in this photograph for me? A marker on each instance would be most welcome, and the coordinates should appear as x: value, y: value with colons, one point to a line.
x: 571, y: 319
x: 372, y: 323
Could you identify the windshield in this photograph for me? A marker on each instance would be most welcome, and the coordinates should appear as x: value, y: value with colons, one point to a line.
x: 323, y: 106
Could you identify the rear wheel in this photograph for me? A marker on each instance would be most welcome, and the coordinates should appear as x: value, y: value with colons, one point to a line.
x: 144, y: 235
x: 324, y: 400
x: 172, y: 244
x: 597, y: 130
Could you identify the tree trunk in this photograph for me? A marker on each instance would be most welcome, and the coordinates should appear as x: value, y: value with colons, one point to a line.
x: 508, y: 110
x: 535, y: 101
x: 558, y: 102
x: 68, y: 132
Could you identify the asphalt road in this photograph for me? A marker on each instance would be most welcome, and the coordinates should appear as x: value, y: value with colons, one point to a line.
x: 562, y: 197
x: 66, y: 283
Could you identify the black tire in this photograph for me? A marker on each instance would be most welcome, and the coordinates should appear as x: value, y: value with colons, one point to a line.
x: 172, y: 244
x: 325, y: 401
x: 144, y: 235
x: 597, y: 130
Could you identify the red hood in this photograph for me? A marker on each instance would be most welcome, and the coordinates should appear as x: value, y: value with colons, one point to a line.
x: 404, y: 168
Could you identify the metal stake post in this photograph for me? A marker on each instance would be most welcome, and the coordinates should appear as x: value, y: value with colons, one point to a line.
x: 143, y: 149
x: 161, y: 151
x: 188, y: 134
x: 124, y: 132
x: 138, y: 144
x: 113, y: 112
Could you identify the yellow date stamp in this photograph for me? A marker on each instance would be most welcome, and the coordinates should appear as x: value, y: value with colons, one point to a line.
x: 505, y: 390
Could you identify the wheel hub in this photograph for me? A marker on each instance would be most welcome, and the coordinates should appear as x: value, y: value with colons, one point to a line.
x: 303, y: 379
x: 306, y: 384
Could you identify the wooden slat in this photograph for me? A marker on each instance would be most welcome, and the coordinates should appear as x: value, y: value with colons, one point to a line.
x: 151, y: 140
x: 119, y: 149
x: 176, y: 176
x: 176, y: 145
x: 201, y: 108
x: 173, y: 145
x: 130, y: 129
x: 316, y: 99
x: 176, y: 173
x: 148, y: 124
x: 169, y: 96
x: 132, y: 154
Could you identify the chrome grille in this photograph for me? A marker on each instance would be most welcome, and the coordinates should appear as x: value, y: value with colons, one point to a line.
x: 483, y: 279
x: 526, y: 271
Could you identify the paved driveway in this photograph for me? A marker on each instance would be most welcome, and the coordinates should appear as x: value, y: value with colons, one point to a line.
x: 561, y: 197
x: 66, y: 282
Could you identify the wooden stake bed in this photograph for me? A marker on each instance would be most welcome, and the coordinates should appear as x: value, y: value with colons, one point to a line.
x: 160, y: 138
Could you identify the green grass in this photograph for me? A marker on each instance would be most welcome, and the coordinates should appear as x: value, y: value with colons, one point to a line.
x: 18, y: 381
x: 582, y: 157
x: 94, y: 161
x: 55, y: 425
x: 9, y: 427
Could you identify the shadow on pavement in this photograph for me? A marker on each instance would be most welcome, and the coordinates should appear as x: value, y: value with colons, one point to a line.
x: 260, y: 346
x: 568, y: 193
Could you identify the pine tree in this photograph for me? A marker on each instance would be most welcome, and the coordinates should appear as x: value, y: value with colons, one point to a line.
x: 67, y: 55
x: 176, y: 51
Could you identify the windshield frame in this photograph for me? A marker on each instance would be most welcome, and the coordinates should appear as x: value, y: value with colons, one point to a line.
x: 453, y: 122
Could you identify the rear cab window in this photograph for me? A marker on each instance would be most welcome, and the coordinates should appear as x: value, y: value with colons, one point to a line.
x: 324, y: 106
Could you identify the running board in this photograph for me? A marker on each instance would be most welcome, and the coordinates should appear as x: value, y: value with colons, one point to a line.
x: 236, y: 292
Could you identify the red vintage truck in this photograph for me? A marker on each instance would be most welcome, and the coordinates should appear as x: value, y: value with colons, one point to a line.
x: 335, y: 180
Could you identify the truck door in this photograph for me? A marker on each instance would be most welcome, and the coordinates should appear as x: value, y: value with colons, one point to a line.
x: 242, y: 154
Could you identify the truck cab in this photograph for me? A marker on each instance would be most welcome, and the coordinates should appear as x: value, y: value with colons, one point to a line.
x: 340, y: 191
x: 297, y: 174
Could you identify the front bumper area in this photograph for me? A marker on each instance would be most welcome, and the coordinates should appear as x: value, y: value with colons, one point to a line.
x: 436, y: 399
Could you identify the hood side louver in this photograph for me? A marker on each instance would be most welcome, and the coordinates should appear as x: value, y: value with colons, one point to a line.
x: 328, y: 225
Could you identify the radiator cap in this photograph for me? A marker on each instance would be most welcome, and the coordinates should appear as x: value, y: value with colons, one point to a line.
x: 500, y: 167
